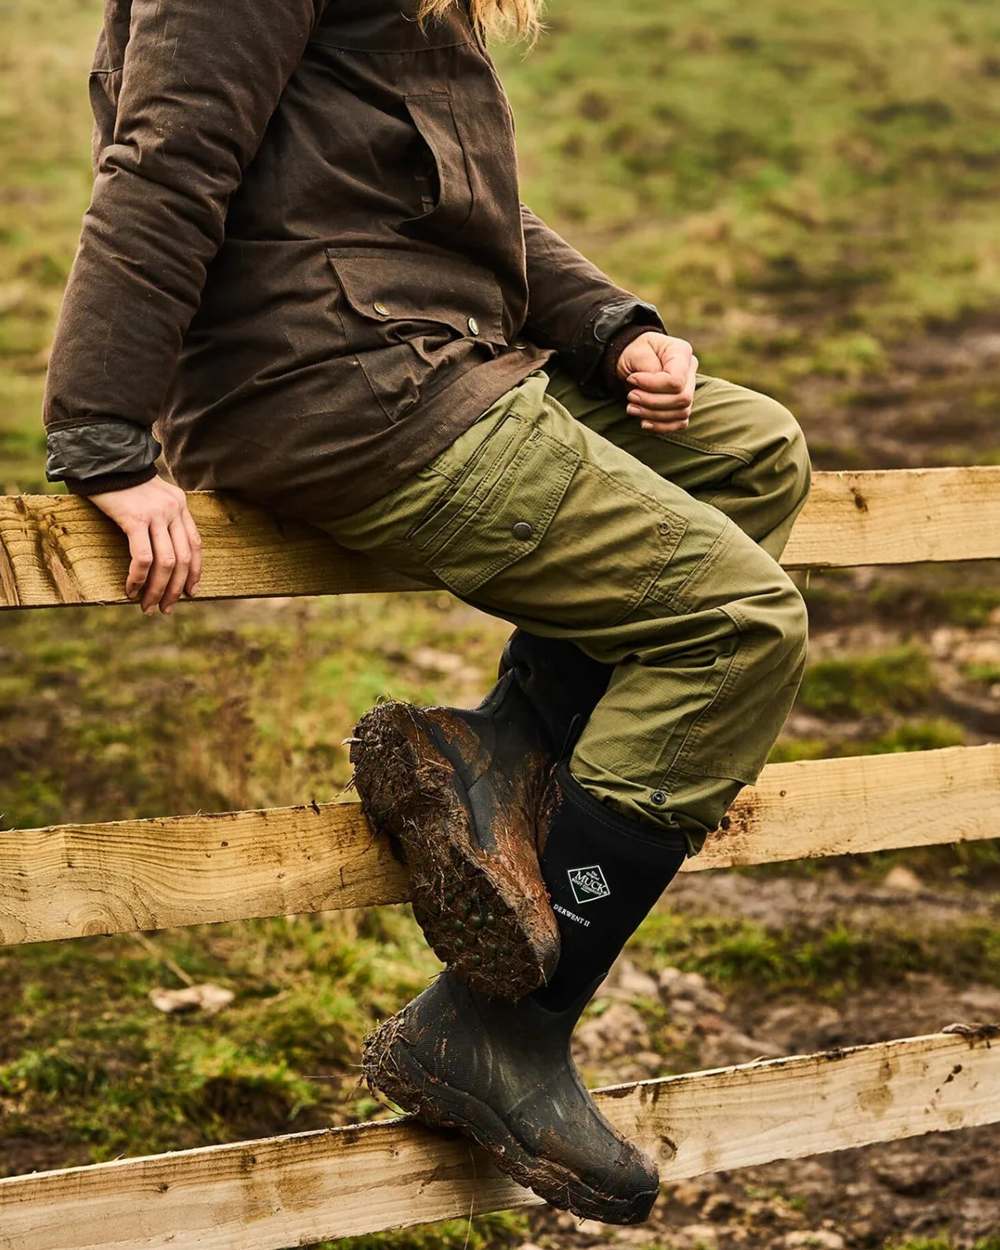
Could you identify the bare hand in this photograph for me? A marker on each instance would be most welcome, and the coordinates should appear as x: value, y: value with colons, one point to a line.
x: 661, y: 371
x: 162, y: 538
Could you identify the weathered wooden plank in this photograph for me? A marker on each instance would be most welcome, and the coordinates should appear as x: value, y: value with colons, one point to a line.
x: 74, y: 880
x: 57, y: 549
x: 816, y: 808
x: 295, y: 1190
x: 901, y: 516
x: 78, y: 880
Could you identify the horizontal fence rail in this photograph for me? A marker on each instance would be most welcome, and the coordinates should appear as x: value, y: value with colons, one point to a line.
x: 308, y: 1187
x: 58, y: 550
x: 77, y: 880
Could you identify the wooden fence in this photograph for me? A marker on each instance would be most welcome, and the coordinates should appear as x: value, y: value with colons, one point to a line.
x: 75, y: 880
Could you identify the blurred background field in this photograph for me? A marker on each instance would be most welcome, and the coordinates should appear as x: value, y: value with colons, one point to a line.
x: 810, y: 194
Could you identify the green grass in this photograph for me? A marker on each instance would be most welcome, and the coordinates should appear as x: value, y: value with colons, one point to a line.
x: 942, y: 1243
x: 828, y: 962
x: 89, y: 1059
x: 898, y: 680
x: 984, y: 674
x: 971, y: 606
x: 484, y: 1232
x: 45, y: 148
x: 965, y: 595
x: 799, y: 186
x: 217, y: 707
x: 910, y: 735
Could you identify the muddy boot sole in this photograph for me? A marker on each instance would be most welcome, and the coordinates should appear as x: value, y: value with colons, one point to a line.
x: 493, y: 929
x: 390, y: 1067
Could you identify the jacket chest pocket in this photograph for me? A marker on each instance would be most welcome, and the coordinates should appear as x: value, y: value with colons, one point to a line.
x: 446, y: 188
x: 407, y: 315
x: 469, y: 184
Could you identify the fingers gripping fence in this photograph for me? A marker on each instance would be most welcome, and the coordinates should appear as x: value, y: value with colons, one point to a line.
x: 70, y: 881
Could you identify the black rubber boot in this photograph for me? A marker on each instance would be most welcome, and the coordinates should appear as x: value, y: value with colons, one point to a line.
x: 462, y: 795
x: 604, y: 873
x: 562, y: 684
x: 502, y: 1072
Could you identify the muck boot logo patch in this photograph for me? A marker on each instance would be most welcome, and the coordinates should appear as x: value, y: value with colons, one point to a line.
x: 588, y: 884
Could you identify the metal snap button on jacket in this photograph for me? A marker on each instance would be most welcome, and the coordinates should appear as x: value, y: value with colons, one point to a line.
x: 473, y: 326
x: 522, y: 530
x: 380, y: 309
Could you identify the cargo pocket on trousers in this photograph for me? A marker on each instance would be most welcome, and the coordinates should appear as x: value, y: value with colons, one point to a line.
x: 501, y: 510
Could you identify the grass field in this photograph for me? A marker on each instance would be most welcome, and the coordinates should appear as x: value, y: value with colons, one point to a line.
x: 809, y: 193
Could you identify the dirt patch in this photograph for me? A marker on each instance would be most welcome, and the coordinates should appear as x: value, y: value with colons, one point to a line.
x: 935, y: 404
x: 828, y: 898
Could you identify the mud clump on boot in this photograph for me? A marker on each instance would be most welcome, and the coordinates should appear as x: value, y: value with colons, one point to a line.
x: 463, y: 817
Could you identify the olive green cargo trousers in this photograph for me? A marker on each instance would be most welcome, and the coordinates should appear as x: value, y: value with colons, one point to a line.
x: 654, y: 553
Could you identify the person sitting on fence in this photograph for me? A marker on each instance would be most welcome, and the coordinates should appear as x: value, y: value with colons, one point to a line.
x: 306, y: 260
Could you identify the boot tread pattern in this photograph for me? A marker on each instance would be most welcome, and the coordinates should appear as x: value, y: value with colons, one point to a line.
x: 457, y: 900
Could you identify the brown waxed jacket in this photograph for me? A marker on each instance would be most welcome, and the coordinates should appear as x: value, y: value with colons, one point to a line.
x: 305, y: 257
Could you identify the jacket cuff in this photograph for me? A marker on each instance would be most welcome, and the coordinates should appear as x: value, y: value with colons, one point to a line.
x: 613, y: 384
x: 603, y: 324
x: 99, y: 449
x: 101, y: 483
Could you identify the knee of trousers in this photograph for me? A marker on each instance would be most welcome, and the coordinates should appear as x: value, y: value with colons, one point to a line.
x: 785, y: 454
x: 776, y: 619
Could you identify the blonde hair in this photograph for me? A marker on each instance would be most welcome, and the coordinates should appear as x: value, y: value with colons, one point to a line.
x: 505, y: 19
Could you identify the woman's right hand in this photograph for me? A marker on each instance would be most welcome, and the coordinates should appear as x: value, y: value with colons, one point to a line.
x: 163, y: 540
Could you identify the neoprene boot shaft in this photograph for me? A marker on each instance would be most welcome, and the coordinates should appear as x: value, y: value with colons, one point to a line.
x: 562, y: 684
x: 603, y: 873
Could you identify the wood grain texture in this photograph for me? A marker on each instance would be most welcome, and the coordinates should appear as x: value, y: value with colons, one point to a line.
x: 817, y: 808
x: 901, y: 516
x: 57, y: 549
x: 74, y: 880
x: 78, y: 880
x: 295, y: 1190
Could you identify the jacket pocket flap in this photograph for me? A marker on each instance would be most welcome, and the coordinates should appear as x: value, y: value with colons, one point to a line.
x: 384, y: 284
